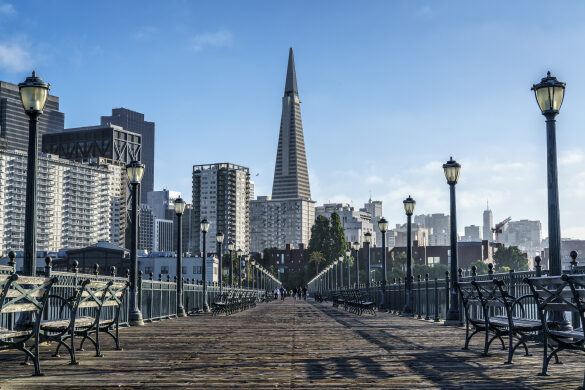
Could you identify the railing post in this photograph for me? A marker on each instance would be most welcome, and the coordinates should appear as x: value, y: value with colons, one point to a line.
x: 436, y: 300
x: 96, y: 270
x: 446, y: 293
x: 427, y: 317
x: 151, y: 296
x: 48, y: 267
x: 574, y: 262
x: 459, y: 301
x: 538, y: 267
x: 491, y: 270
x: 418, y: 297
x: 139, y: 303
x: 113, y: 271
x: 473, y: 272
x: 11, y: 261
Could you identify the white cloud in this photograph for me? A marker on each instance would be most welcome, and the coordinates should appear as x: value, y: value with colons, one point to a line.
x: 14, y: 57
x: 571, y: 157
x: 7, y: 9
x: 219, y: 38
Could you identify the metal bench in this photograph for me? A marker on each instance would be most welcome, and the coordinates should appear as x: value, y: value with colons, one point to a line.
x: 24, y: 298
x: 81, y: 315
x: 556, y: 295
x: 489, y: 308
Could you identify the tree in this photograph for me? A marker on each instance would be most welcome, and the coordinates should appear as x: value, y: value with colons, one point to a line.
x: 337, y: 238
x: 319, y: 241
x: 482, y: 268
x: 316, y: 258
x: 510, y: 257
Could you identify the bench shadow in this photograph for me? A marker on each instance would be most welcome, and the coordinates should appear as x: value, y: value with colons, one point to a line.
x: 430, y: 363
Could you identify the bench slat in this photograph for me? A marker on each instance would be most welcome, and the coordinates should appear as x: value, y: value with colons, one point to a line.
x: 19, y: 307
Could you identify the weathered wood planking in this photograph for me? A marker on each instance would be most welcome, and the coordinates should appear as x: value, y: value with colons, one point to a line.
x: 292, y: 345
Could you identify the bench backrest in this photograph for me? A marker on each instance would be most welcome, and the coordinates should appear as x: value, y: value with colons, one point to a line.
x: 24, y: 293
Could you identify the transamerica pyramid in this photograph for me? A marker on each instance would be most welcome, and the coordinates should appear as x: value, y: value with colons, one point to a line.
x: 291, y: 177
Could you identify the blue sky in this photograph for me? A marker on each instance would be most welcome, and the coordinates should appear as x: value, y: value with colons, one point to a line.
x: 389, y: 91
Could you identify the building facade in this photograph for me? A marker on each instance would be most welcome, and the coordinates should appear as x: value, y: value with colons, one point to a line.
x: 438, y: 226
x: 78, y: 204
x: 488, y: 223
x: 376, y: 211
x: 163, y: 234
x: 525, y: 234
x: 14, y: 121
x: 472, y: 233
x: 221, y: 194
x: 355, y: 223
x: 276, y: 223
x: 146, y: 228
x: 134, y: 122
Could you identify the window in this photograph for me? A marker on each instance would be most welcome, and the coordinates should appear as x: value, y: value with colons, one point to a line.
x: 434, y: 260
x: 196, y: 269
x: 184, y: 270
x: 164, y: 269
x: 147, y: 270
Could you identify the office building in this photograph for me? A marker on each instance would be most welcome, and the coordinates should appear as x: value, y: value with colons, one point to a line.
x: 221, y: 194
x: 472, y: 233
x: 488, y: 223
x: 162, y: 203
x: 134, y: 122
x: 14, y: 121
x: 146, y: 228
x: 287, y: 216
x: 163, y: 235
x: 438, y: 226
x: 375, y: 209
x: 525, y: 234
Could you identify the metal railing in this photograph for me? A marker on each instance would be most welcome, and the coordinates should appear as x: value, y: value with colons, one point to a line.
x: 157, y: 299
x: 430, y: 296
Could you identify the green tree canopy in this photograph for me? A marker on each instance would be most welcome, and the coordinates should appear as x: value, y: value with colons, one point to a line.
x: 317, y: 258
x: 319, y: 241
x: 482, y: 268
x: 510, y: 257
x: 337, y: 238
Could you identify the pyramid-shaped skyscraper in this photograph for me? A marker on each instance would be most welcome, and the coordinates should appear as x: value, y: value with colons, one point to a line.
x: 287, y: 216
x: 291, y: 177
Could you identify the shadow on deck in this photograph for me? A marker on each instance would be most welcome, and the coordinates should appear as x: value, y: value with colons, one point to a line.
x: 292, y: 345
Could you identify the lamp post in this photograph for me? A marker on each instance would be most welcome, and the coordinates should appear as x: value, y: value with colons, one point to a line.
x: 383, y: 226
x: 253, y: 262
x: 409, y: 204
x: 356, y: 248
x: 204, y: 226
x: 347, y: 256
x: 33, y: 94
x: 340, y: 266
x: 239, y: 254
x: 451, y: 169
x: 179, y: 209
x: 219, y: 239
x: 368, y: 238
x: 248, y: 273
x: 549, y: 96
x: 135, y: 171
x: 231, y: 248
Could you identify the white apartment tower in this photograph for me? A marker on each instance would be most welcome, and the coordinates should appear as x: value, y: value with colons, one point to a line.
x: 221, y: 194
x: 79, y: 204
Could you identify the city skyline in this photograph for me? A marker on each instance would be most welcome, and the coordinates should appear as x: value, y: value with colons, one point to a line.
x: 380, y: 114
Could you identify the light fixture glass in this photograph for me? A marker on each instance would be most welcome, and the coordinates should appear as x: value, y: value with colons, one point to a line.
x: 409, y: 204
x: 383, y: 225
x: 33, y: 93
x: 135, y: 171
x: 180, y: 206
x: 452, y: 169
x: 204, y: 225
x: 549, y: 94
x: 219, y: 237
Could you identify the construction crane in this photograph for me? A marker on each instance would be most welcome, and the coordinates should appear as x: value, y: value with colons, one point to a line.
x: 498, y: 228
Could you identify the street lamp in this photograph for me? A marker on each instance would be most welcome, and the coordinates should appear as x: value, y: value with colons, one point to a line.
x: 340, y: 259
x: 356, y: 248
x: 33, y: 94
x: 253, y: 263
x: 549, y: 95
x: 219, y: 240
x: 135, y: 171
x: 409, y: 204
x: 451, y: 169
x: 179, y: 209
x: 239, y: 254
x: 231, y: 248
x: 368, y: 238
x: 204, y: 226
x: 383, y: 226
x: 336, y: 264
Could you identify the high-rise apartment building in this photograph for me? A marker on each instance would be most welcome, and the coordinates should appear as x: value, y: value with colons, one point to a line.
x: 221, y: 194
x: 146, y: 228
x: 472, y: 233
x: 78, y: 204
x: 374, y: 207
x: 488, y: 223
x: 134, y: 121
x: 14, y: 121
x: 162, y: 203
x: 287, y: 216
x: 525, y: 234
x: 163, y: 234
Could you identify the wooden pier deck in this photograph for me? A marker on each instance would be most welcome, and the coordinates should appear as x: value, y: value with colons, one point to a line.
x: 291, y: 345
